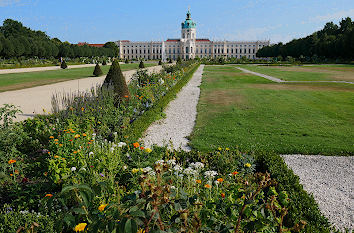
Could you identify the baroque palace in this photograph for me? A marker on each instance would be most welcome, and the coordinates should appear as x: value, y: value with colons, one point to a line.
x: 188, y: 46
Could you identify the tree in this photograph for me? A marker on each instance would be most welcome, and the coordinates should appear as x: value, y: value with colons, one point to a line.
x: 116, y: 79
x: 141, y: 64
x: 8, y: 49
x: 126, y: 61
x: 63, y: 65
x: 160, y: 62
x: 113, y: 47
x: 97, y: 72
x: 104, y: 62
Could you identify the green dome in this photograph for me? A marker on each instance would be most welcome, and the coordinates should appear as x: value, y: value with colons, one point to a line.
x: 188, y: 23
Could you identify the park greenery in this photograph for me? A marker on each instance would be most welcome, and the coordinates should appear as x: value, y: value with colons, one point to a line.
x: 333, y: 42
x: 19, y: 44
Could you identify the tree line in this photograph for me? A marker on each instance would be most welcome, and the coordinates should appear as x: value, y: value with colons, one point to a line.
x: 17, y: 40
x: 332, y: 42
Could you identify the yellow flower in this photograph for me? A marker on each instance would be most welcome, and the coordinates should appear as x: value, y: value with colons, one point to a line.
x: 80, y: 227
x: 56, y: 156
x: 84, y: 134
x: 227, y: 148
x: 198, y: 181
x: 248, y: 165
x: 77, y: 136
x: 148, y: 150
x: 11, y: 161
x: 82, y: 109
x: 101, y: 207
x: 135, y: 170
x: 219, y: 148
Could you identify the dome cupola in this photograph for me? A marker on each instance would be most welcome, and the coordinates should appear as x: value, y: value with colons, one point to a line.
x: 188, y: 23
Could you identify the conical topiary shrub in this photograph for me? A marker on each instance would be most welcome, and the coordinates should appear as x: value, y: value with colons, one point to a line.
x: 141, y: 64
x: 63, y: 65
x: 179, y: 60
x: 160, y: 62
x: 104, y: 62
x: 116, y: 79
x: 126, y: 61
x: 97, y: 72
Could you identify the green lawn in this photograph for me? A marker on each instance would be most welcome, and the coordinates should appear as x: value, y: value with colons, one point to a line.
x: 289, y: 75
x: 30, y: 79
x: 238, y: 109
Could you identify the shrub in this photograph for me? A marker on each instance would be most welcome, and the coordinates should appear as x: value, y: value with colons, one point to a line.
x: 126, y: 61
x: 116, y: 79
x: 160, y: 62
x: 179, y: 60
x: 63, y: 65
x: 141, y: 65
x: 104, y: 62
x: 97, y: 72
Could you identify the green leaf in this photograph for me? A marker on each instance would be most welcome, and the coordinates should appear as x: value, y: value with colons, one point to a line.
x: 130, y: 226
x: 79, y: 211
x: 69, y: 220
x: 138, y: 213
x: 67, y: 189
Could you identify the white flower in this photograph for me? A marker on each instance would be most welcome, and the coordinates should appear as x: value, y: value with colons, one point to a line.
x: 210, y: 174
x: 147, y: 169
x: 173, y: 187
x: 178, y: 168
x: 171, y: 162
x: 115, y: 133
x: 189, y: 171
x: 73, y: 169
x: 125, y: 167
x: 197, y: 165
x: 121, y: 144
x: 91, y: 153
x: 159, y: 162
x: 114, y: 145
x: 151, y: 173
x: 111, y: 149
x: 216, y: 182
x: 83, y: 169
x: 161, y: 81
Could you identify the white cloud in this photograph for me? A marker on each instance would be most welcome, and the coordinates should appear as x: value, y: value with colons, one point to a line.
x: 333, y: 16
x: 8, y: 2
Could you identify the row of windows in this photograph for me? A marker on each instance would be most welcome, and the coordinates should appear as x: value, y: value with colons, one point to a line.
x: 175, y: 56
x: 220, y: 45
x: 201, y: 51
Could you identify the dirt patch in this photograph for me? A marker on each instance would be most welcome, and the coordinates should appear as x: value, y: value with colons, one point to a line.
x: 337, y: 73
x: 224, y: 98
x: 301, y: 87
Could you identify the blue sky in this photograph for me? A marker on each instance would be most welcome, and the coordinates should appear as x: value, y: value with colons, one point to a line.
x: 110, y: 20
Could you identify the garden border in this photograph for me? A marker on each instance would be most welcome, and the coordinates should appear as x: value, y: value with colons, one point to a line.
x: 139, y: 126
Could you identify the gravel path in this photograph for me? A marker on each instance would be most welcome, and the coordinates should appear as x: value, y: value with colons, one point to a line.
x: 33, y: 100
x: 180, y: 117
x: 331, y: 181
x: 271, y: 78
x: 35, y: 69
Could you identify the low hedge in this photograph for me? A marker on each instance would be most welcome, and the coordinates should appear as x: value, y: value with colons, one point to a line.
x: 139, y: 126
x: 303, y: 205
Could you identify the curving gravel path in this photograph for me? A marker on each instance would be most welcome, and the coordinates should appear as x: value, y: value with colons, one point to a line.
x: 33, y: 100
x: 180, y: 118
x: 36, y: 69
x: 331, y: 181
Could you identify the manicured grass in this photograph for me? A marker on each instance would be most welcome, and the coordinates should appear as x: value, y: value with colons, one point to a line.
x: 277, y: 72
x: 16, y: 81
x: 238, y: 109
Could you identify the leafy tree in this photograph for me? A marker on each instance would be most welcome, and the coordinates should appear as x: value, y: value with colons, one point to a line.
x: 141, y: 64
x: 160, y: 62
x: 63, y: 65
x: 8, y: 49
x: 113, y: 47
x: 97, y: 72
x: 116, y: 79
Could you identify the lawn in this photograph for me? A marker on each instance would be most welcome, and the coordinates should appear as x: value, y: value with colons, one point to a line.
x: 306, y: 73
x: 17, y: 81
x: 256, y: 114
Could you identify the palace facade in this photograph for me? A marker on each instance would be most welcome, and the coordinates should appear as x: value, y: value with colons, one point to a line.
x: 188, y: 46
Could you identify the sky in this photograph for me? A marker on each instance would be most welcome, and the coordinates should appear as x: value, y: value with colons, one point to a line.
x: 155, y: 20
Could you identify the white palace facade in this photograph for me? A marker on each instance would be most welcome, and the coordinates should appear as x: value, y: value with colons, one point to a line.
x: 188, y: 46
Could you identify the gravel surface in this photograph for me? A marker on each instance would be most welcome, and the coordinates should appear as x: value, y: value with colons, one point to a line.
x: 331, y: 181
x: 180, y: 117
x: 36, y: 69
x: 33, y: 100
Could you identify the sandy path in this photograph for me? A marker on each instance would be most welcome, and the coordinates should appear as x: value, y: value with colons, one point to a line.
x: 35, y: 69
x: 283, y: 81
x: 33, y: 100
x: 180, y: 117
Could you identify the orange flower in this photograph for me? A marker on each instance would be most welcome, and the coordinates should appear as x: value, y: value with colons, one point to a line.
x: 126, y: 96
x: 136, y: 145
x: 208, y: 186
x: 45, y: 173
x: 82, y: 109
x: 77, y: 136
x: 235, y: 173
x: 220, y: 180
x: 102, y: 207
x: 48, y: 152
x: 84, y: 134
x: 223, y: 195
x: 48, y: 195
x: 60, y: 144
x: 56, y: 143
x: 16, y: 172
x: 141, y: 148
x: 55, y: 140
x: 51, y: 137
x: 56, y: 156
x: 75, y: 152
x: 11, y: 161
x: 198, y: 181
